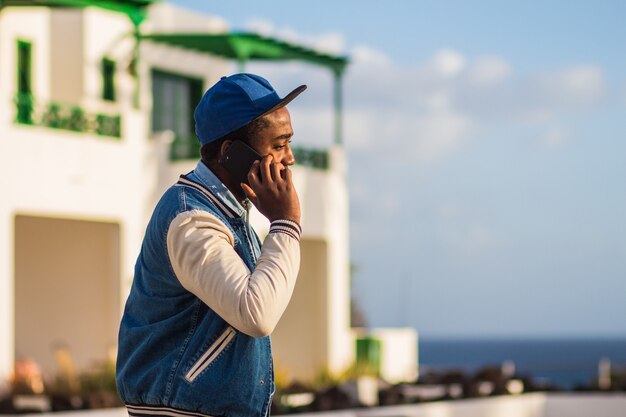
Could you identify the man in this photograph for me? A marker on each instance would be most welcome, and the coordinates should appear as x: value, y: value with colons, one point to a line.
x: 194, y: 338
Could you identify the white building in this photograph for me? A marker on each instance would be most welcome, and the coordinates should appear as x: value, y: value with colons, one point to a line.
x: 85, y: 111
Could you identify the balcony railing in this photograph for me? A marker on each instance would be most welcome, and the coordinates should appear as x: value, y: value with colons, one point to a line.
x: 314, y: 158
x: 184, y: 147
x: 65, y: 117
x: 189, y: 148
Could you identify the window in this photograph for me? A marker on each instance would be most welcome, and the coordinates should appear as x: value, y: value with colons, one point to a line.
x: 24, y: 82
x: 174, y: 99
x: 24, y: 67
x: 108, y: 79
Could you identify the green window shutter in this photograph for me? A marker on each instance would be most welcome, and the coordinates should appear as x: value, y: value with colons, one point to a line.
x: 108, y: 79
x: 24, y: 62
x: 24, y: 82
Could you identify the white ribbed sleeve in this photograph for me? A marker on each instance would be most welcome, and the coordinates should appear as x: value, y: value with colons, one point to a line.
x: 201, y: 250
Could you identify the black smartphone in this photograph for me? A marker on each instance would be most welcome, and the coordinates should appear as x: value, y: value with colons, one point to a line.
x: 238, y: 160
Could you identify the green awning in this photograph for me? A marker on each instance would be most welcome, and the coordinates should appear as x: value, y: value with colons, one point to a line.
x: 243, y: 47
x: 135, y: 9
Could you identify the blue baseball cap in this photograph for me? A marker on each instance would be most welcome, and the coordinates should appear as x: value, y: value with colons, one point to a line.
x: 235, y: 101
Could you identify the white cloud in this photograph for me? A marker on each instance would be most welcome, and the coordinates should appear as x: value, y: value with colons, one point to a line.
x: 489, y: 70
x: 438, y: 111
x: 435, y: 108
x: 330, y: 43
x: 585, y: 81
x: 413, y: 108
x: 554, y: 137
x: 313, y: 127
x: 448, y: 63
x: 439, y: 101
x: 439, y: 133
x: 260, y: 26
x: 291, y: 35
x: 423, y: 137
x: 360, y: 125
x: 531, y: 99
x: 364, y: 55
x: 571, y: 87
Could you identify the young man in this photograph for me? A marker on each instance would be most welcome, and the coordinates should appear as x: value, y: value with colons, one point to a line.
x: 194, y: 338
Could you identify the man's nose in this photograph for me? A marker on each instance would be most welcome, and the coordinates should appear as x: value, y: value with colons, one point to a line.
x: 289, y: 158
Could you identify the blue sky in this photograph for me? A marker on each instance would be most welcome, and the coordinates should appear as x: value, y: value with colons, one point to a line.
x: 487, y: 148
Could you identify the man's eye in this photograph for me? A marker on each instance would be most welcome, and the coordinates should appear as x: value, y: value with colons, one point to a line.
x: 280, y: 147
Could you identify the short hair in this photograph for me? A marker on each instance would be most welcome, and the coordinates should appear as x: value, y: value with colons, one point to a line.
x: 247, y: 133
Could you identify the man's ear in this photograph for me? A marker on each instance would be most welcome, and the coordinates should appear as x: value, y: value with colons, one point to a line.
x: 224, y: 147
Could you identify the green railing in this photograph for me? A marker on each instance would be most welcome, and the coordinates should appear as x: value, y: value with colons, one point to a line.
x: 65, y: 117
x: 314, y: 158
x: 184, y: 147
x: 189, y: 148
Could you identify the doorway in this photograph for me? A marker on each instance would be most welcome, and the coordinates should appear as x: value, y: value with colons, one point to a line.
x: 67, y: 290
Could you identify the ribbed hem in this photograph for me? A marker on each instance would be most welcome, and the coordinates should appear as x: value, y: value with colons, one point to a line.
x: 151, y: 411
x: 287, y: 227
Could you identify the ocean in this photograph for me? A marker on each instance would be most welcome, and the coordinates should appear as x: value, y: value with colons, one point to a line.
x: 564, y: 363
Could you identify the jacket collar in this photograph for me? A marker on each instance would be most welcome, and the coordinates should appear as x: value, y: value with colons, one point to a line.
x: 210, y: 181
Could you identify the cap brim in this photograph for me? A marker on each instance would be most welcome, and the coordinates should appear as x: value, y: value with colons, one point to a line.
x: 286, y: 100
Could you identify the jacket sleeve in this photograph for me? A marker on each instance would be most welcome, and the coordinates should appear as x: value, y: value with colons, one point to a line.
x: 202, y: 254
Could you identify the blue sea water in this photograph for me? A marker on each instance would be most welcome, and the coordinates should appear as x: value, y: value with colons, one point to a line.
x: 564, y: 363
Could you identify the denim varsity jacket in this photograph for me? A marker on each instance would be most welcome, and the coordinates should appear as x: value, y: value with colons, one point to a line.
x: 188, y: 341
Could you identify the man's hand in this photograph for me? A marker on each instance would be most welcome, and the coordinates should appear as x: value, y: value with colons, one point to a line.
x: 272, y: 191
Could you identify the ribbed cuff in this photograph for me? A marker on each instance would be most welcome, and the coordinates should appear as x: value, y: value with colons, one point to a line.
x: 288, y: 227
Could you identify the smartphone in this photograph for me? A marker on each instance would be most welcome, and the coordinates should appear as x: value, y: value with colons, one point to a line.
x: 238, y: 160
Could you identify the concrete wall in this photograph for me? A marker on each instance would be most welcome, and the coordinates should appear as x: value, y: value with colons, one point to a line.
x: 585, y: 405
x: 66, y: 46
x: 301, y: 338
x: 399, y: 355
